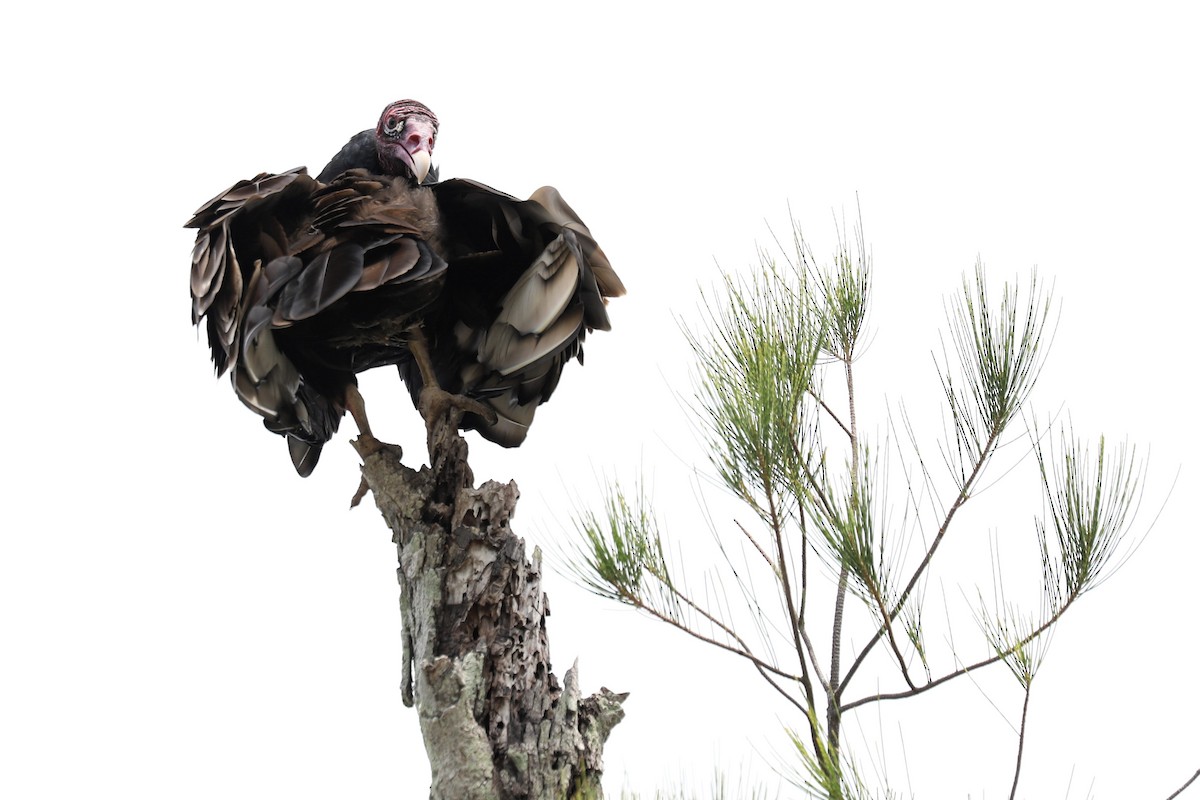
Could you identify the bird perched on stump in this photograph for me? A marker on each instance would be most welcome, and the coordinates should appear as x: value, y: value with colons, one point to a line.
x: 304, y: 282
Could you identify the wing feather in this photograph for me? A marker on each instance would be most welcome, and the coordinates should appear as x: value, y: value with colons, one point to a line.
x: 322, y: 282
x: 302, y: 284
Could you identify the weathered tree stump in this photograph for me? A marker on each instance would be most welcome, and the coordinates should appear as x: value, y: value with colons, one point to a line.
x: 495, y: 720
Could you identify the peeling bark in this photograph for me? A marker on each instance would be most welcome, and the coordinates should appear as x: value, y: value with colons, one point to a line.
x: 495, y: 720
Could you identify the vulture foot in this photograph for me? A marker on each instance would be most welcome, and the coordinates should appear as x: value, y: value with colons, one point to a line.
x: 442, y: 412
x: 366, y: 444
x: 437, y: 404
x: 434, y: 401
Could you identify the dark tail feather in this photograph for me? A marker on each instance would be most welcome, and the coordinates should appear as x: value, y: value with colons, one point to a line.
x: 304, y: 455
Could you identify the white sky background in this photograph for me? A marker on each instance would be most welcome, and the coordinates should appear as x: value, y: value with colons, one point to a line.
x: 181, y: 616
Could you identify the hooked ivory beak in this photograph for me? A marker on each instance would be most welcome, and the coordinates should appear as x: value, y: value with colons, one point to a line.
x: 421, y: 161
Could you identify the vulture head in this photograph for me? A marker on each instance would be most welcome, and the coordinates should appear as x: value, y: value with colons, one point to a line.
x: 404, y: 139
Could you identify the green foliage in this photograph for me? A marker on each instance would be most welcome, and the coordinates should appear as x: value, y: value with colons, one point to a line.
x: 1016, y: 638
x: 1092, y: 503
x: 769, y: 343
x: 844, y: 512
x: 843, y: 293
x: 823, y: 775
x: 1000, y: 355
x: 755, y: 362
x: 624, y: 548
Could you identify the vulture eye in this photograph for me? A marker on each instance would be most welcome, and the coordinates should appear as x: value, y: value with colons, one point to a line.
x: 393, y: 124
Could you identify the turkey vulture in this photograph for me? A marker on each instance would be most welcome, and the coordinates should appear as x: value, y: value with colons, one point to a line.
x: 304, y: 282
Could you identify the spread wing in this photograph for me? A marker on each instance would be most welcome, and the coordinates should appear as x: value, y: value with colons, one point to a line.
x: 525, y: 283
x: 302, y: 284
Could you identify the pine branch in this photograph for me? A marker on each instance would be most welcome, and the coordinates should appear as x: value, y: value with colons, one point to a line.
x: 958, y: 673
x: 963, y: 496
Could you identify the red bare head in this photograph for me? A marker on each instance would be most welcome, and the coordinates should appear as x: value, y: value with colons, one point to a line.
x: 404, y: 138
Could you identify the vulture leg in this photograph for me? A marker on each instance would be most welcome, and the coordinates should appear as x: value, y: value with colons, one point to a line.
x: 358, y: 410
x: 442, y: 412
x: 436, y: 402
x: 366, y: 443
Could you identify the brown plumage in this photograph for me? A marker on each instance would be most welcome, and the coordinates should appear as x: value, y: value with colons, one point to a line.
x: 303, y: 284
x: 526, y: 281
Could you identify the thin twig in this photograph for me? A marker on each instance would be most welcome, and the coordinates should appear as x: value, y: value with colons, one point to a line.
x: 1020, y: 743
x: 742, y: 650
x: 1190, y: 781
x: 964, y: 670
x: 785, y: 580
x: 829, y: 411
x: 800, y: 618
x: 757, y: 546
x: 761, y: 620
x: 892, y: 637
x: 812, y: 654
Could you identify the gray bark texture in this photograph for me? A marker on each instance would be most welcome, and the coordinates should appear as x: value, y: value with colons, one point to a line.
x: 495, y: 720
